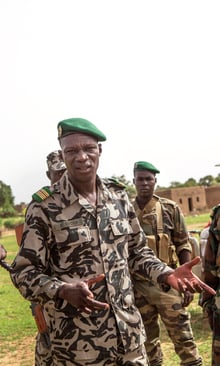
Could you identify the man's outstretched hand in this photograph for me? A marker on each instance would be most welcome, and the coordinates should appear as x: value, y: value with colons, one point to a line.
x: 183, y: 279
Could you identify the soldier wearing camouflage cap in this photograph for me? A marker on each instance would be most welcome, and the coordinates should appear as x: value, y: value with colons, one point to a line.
x: 82, y: 240
x: 56, y: 166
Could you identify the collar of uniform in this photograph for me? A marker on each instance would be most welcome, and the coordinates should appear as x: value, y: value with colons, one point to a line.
x: 66, y: 190
x: 68, y: 194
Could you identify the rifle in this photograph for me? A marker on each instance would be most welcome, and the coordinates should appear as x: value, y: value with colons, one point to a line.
x: 37, y: 312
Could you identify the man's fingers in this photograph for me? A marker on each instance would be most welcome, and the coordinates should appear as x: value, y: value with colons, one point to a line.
x: 91, y: 303
x: 96, y: 279
x: 208, y: 288
x: 194, y: 261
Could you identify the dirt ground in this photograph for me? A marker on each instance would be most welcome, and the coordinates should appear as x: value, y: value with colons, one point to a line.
x: 21, y: 354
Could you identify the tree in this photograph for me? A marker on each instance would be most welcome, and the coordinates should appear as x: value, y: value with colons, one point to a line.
x: 6, y: 201
x: 206, y: 181
x: 175, y: 184
x: 191, y: 182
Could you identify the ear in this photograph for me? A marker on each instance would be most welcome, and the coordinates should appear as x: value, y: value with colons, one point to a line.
x: 155, y: 180
x: 100, y: 149
x: 48, y: 174
x: 134, y: 180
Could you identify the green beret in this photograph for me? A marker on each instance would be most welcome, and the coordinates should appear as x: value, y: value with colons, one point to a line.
x: 144, y: 165
x: 74, y: 125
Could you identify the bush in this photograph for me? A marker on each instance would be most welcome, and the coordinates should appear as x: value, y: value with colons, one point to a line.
x: 12, y: 222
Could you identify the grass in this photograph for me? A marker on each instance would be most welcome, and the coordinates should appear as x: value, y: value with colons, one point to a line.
x: 18, y: 329
x: 17, y: 323
x: 197, y: 222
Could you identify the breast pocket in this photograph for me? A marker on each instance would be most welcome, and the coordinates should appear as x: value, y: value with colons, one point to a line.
x: 120, y: 227
x: 73, y: 248
x: 70, y: 234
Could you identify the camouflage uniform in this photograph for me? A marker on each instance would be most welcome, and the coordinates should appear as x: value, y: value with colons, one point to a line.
x: 65, y: 235
x: 211, y: 274
x: 151, y: 300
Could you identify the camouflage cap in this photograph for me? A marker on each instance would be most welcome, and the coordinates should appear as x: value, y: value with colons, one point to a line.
x: 144, y: 165
x: 55, y: 161
x: 74, y: 125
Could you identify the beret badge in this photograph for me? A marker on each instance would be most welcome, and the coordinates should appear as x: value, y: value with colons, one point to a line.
x: 60, y: 131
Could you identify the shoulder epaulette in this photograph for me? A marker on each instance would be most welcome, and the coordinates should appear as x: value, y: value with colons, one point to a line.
x: 166, y: 200
x: 42, y: 194
x: 115, y: 182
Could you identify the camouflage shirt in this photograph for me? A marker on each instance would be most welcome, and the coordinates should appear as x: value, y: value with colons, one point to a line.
x: 173, y: 232
x: 66, y: 238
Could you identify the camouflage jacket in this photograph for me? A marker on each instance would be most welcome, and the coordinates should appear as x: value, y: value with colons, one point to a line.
x: 172, y: 237
x: 66, y: 238
x: 211, y: 260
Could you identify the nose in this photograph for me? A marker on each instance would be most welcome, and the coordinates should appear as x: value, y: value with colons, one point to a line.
x: 82, y: 155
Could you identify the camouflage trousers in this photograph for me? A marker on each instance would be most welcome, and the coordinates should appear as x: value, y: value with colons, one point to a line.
x: 134, y: 358
x: 152, y: 303
x: 43, y: 356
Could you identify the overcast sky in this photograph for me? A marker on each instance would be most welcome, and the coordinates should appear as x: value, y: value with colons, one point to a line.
x: 147, y: 73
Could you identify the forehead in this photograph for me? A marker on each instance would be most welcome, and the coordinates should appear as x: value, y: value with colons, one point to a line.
x: 144, y: 173
x: 75, y: 139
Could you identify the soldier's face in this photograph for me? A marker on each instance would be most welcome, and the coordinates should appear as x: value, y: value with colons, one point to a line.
x: 144, y: 181
x: 81, y: 156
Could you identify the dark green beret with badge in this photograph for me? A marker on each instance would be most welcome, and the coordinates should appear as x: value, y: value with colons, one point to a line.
x: 74, y: 125
x: 144, y: 165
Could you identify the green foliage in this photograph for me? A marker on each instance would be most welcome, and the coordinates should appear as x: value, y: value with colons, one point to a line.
x: 15, y: 314
x: 206, y: 181
x: 12, y: 222
x: 191, y: 182
x: 198, y: 221
x: 6, y: 201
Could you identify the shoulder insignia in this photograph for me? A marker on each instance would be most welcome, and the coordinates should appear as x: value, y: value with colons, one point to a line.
x: 115, y: 182
x: 166, y: 200
x: 42, y: 194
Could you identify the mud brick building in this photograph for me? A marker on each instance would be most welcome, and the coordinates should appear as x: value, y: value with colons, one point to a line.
x: 193, y: 200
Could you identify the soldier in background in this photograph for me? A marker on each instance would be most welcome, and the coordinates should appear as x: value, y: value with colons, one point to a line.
x: 43, y: 357
x: 163, y: 223
x: 211, y: 275
x: 56, y: 166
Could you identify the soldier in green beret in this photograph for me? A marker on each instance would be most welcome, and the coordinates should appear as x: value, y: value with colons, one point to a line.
x: 80, y: 243
x: 164, y: 226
